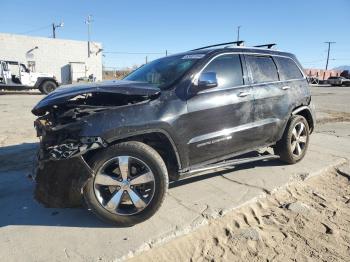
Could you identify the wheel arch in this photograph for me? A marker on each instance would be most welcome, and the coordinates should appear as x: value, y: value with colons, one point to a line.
x: 306, y: 112
x: 159, y: 140
x: 42, y: 80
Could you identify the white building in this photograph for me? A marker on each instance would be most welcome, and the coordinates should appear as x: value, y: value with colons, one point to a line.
x: 66, y: 59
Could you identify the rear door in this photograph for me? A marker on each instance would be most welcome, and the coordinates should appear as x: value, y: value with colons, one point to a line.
x: 25, y: 76
x: 271, y: 100
x: 293, y: 82
x: 220, y: 118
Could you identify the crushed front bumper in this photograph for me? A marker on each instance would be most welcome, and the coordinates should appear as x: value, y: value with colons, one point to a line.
x: 59, y: 183
x: 61, y: 171
x: 76, y: 148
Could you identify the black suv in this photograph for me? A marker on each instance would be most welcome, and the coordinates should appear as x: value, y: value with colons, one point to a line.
x: 117, y: 144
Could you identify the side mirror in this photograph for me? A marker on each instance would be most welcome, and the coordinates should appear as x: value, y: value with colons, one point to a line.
x: 207, y: 80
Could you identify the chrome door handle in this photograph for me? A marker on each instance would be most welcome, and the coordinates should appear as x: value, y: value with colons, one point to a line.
x: 285, y: 87
x: 243, y: 94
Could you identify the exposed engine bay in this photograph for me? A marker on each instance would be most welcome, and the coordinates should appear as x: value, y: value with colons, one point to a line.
x: 59, y: 127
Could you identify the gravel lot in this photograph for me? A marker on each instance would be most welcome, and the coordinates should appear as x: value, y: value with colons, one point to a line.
x: 29, y: 232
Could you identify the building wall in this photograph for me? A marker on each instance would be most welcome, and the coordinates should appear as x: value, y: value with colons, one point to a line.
x: 52, y: 55
x: 321, y: 74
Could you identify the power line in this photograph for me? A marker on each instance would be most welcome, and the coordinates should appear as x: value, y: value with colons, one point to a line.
x: 314, y: 61
x: 340, y: 59
x: 135, y: 53
x: 35, y: 30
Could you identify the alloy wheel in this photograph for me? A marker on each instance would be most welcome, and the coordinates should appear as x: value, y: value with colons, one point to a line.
x: 299, y: 139
x: 124, y: 185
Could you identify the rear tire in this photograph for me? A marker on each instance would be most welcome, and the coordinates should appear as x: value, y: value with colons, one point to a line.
x: 294, y: 143
x: 123, y: 210
x: 47, y: 87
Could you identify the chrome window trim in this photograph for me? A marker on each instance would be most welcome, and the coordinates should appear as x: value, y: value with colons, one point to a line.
x: 297, y: 64
x: 227, y: 132
x: 195, y: 76
x: 248, y: 85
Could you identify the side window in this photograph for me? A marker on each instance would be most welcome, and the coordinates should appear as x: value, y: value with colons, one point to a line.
x: 287, y: 68
x: 228, y: 70
x: 31, y: 66
x: 5, y: 67
x: 263, y: 68
x: 23, y: 68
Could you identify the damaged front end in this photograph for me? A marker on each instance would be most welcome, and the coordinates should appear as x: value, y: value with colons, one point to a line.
x: 61, y: 170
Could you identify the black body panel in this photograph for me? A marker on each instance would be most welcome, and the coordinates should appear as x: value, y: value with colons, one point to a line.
x: 202, y: 127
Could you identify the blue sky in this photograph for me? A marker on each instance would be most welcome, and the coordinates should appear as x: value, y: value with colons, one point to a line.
x: 154, y: 26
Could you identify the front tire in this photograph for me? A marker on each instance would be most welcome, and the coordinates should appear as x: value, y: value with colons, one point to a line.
x: 47, y: 87
x: 294, y: 143
x: 129, y: 185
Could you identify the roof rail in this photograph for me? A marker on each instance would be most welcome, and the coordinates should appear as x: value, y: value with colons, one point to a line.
x: 269, y: 46
x: 238, y: 43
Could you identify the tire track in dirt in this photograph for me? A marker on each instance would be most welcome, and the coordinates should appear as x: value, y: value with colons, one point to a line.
x: 307, y: 221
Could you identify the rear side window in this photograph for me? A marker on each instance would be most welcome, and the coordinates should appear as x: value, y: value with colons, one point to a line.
x: 263, y: 68
x: 228, y: 70
x: 287, y: 68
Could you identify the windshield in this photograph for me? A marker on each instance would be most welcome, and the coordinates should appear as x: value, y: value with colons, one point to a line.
x: 165, y: 71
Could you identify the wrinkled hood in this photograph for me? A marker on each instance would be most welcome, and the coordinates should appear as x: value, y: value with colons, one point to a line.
x: 64, y: 93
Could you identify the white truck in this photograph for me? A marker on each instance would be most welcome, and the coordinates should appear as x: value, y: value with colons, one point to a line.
x: 16, y: 76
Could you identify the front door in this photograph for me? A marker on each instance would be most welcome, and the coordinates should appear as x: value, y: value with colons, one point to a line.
x: 25, y: 76
x: 220, y: 118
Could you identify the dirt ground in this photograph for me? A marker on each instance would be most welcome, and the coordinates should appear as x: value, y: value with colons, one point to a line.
x: 17, y: 125
x: 307, y: 221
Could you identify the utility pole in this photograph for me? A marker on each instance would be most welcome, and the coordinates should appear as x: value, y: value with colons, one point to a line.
x: 166, y: 52
x: 54, y: 28
x: 146, y: 59
x: 88, y: 22
x: 238, y: 28
x: 329, y: 49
